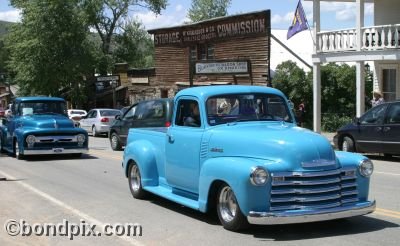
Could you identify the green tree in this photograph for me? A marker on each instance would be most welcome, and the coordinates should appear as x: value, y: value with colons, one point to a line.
x: 207, y: 9
x: 134, y: 46
x: 106, y: 16
x: 294, y: 83
x: 50, y: 52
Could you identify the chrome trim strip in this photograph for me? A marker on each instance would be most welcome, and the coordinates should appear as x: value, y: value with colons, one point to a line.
x: 291, y: 217
x: 307, y: 174
x: 306, y: 182
x: 306, y: 199
x: 305, y: 191
x: 50, y: 139
x: 318, y: 163
x: 294, y: 207
x: 378, y: 142
x: 52, y: 151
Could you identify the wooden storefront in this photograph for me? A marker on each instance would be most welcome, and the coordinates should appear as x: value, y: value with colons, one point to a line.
x: 244, y: 37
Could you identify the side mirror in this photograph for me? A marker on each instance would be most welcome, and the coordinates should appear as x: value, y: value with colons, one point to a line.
x: 118, y: 117
x: 356, y: 120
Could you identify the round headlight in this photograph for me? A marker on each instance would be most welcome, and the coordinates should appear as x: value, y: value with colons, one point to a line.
x: 81, y: 138
x: 258, y: 176
x: 30, y: 139
x: 366, y: 167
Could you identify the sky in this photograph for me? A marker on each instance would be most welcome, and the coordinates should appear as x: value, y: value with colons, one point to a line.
x: 334, y: 15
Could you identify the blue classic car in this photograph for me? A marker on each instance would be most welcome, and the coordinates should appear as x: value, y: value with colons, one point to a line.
x: 40, y: 126
x: 238, y: 149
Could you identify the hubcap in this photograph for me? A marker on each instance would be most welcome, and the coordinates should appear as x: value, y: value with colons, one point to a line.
x: 135, y: 178
x: 345, y: 146
x: 227, y: 204
x: 114, y: 141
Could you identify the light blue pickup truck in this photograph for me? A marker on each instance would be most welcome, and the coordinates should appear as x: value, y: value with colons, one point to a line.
x: 237, y: 149
x: 40, y: 126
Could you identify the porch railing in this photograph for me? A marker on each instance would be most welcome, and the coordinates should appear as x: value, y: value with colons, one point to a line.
x: 373, y: 38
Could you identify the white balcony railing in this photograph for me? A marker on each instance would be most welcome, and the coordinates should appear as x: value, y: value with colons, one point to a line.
x: 373, y: 38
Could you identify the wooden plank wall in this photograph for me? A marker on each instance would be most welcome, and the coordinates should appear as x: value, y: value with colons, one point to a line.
x: 172, y: 64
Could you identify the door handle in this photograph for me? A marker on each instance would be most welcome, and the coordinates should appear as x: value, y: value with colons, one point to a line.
x: 378, y: 128
x: 386, y: 128
x: 170, y: 138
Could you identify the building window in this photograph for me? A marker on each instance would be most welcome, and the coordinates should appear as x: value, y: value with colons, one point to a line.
x: 202, y: 52
x: 193, y: 53
x: 389, y: 84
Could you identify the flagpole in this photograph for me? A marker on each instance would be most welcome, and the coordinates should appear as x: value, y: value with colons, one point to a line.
x: 312, y: 36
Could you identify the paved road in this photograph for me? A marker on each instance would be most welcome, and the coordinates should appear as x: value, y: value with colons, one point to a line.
x: 93, y: 189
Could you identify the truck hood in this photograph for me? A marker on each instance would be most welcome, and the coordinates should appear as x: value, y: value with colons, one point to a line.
x: 46, y: 121
x: 299, y: 149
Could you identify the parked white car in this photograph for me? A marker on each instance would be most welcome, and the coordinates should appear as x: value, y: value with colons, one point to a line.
x: 76, y: 115
x: 98, y: 120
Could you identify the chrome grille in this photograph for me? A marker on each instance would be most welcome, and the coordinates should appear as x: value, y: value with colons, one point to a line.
x: 313, y: 190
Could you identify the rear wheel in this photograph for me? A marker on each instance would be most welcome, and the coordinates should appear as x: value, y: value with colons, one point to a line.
x: 348, y: 144
x: 228, y: 210
x: 135, y: 182
x: 115, y: 142
x: 94, y: 132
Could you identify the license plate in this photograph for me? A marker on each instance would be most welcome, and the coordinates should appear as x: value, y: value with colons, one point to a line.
x: 58, y: 150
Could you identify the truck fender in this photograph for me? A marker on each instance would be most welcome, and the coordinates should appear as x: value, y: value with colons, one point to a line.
x: 141, y: 152
x: 234, y: 171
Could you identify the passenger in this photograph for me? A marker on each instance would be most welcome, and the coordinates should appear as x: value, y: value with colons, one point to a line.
x: 194, y: 117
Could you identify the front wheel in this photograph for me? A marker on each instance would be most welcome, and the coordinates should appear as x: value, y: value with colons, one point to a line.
x: 135, y: 182
x: 228, y: 210
x: 115, y: 142
x: 16, y: 151
x: 348, y: 145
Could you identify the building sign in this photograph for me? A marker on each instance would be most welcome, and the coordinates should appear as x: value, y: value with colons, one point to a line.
x: 254, y: 24
x: 103, y: 83
x: 140, y: 80
x: 222, y: 67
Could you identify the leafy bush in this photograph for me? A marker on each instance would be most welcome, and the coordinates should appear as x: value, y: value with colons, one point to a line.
x: 332, y: 122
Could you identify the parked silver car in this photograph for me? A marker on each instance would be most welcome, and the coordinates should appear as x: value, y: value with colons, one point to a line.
x: 98, y: 120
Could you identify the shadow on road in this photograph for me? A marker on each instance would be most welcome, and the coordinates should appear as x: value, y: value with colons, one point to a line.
x: 290, y: 232
x: 41, y: 158
x: 350, y: 226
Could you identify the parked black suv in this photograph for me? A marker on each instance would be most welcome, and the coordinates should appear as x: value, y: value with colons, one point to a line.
x: 377, y: 131
x: 150, y: 113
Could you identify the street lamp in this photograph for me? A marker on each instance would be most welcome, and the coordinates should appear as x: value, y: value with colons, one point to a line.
x: 113, y: 84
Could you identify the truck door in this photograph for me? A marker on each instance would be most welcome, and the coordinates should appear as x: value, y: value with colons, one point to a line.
x: 183, y: 146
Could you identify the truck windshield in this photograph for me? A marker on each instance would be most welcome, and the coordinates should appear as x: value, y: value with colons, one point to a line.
x: 42, y: 107
x: 223, y: 109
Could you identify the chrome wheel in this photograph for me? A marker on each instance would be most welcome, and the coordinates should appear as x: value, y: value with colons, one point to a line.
x: 228, y: 204
x: 17, y: 154
x: 115, y: 144
x: 345, y: 146
x: 135, y: 178
x: 135, y: 182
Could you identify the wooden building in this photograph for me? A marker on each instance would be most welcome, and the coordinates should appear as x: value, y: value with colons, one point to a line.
x: 233, y: 50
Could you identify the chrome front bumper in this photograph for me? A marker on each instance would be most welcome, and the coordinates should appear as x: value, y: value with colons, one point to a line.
x: 302, y: 216
x: 55, y: 151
